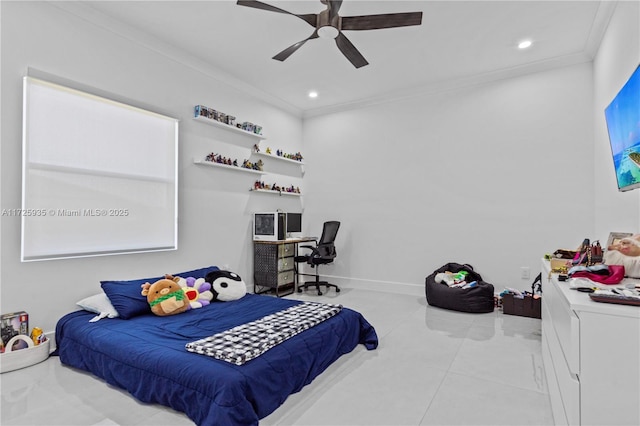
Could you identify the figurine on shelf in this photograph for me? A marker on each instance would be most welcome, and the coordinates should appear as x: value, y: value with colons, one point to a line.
x: 259, y: 165
x: 256, y: 148
x: 269, y: 150
x: 279, y: 153
x: 235, y: 162
x: 211, y: 157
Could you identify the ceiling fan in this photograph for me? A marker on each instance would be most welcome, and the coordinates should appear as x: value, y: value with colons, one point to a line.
x: 329, y: 24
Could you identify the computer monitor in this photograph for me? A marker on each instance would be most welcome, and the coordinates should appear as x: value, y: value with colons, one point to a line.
x: 294, y: 225
x: 269, y: 226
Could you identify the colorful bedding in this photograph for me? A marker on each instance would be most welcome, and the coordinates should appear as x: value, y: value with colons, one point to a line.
x: 146, y: 355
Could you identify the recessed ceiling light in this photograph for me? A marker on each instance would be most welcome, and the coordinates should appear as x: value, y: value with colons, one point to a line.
x: 313, y: 94
x: 524, y: 44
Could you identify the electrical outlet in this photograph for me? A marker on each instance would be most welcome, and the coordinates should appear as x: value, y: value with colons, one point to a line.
x: 525, y: 272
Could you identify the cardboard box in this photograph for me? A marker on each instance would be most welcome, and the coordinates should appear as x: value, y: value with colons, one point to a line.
x: 13, y: 324
x: 526, y: 307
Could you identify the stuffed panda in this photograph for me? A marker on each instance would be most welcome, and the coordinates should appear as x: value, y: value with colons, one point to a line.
x: 226, y: 286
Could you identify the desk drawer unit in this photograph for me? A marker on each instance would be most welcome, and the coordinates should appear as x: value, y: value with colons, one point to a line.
x: 273, y: 265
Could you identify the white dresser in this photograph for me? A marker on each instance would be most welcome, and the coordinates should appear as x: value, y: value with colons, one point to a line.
x: 591, y: 355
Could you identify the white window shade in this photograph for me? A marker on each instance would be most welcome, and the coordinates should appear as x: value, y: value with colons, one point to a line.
x: 99, y: 176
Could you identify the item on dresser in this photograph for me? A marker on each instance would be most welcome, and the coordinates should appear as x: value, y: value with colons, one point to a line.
x: 604, y: 274
x: 564, y: 254
x: 626, y: 252
x: 616, y: 295
x: 588, y: 253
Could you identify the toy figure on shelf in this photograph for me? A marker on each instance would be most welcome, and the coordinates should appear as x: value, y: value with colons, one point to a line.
x: 211, y: 157
x: 279, y: 153
x: 256, y: 148
x: 259, y: 165
x: 235, y: 162
x: 268, y: 150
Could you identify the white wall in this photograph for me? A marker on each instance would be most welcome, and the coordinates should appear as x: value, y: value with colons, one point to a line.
x: 617, y: 58
x: 215, y: 206
x: 495, y: 175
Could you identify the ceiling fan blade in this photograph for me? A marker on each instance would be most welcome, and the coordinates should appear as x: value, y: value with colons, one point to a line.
x: 376, y: 22
x: 349, y: 50
x: 289, y: 50
x: 310, y: 18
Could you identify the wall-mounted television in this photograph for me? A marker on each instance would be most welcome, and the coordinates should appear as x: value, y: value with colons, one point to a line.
x: 623, y: 124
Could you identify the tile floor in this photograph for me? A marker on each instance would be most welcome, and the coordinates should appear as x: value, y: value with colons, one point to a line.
x: 432, y: 367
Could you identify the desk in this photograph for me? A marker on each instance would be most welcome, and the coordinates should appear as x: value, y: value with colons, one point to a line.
x: 274, y: 266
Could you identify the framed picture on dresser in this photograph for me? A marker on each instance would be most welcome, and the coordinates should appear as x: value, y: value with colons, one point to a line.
x: 615, y: 237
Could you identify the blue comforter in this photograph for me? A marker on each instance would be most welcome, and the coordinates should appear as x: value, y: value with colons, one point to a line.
x: 146, y: 355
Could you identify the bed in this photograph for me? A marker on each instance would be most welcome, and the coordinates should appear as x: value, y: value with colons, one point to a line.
x: 146, y: 355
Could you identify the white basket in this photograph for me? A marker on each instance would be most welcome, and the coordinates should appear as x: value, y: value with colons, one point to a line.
x: 21, y: 358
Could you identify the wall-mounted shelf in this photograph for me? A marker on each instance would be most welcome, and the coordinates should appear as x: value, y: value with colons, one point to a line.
x: 275, y: 157
x: 273, y: 192
x: 228, y: 127
x: 227, y: 167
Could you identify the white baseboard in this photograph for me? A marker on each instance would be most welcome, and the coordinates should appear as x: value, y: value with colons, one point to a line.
x: 375, y: 285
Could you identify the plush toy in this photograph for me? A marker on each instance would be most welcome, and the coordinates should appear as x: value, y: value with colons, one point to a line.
x: 198, y: 291
x: 165, y: 296
x: 226, y: 286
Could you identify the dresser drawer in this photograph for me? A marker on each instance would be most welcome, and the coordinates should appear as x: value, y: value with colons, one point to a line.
x: 566, y: 325
x: 285, y: 278
x: 286, y: 250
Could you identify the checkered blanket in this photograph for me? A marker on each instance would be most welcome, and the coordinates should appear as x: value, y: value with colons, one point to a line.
x: 248, y: 341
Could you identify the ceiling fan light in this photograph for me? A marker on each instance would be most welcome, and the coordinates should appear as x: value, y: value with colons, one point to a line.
x: 328, y: 32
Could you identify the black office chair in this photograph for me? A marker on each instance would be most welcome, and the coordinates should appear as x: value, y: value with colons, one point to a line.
x: 324, y: 252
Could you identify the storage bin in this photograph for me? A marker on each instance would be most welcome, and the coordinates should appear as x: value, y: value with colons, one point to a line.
x: 526, y: 307
x: 21, y: 358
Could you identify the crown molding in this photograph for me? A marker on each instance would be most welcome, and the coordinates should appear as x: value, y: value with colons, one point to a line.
x: 453, y: 84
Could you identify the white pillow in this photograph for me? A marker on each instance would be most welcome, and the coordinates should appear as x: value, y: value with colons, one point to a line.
x: 98, y: 304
